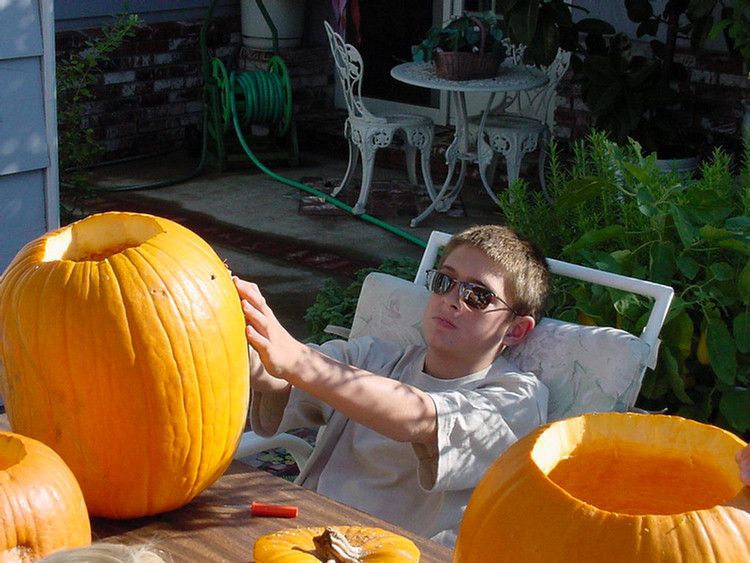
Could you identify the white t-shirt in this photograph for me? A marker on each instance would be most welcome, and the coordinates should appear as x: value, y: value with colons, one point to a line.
x: 479, y: 416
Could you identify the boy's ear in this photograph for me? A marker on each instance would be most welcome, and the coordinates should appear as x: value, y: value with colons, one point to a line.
x: 519, y: 329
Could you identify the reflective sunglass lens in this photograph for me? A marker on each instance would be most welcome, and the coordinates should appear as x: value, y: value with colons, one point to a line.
x: 475, y: 297
x: 438, y: 282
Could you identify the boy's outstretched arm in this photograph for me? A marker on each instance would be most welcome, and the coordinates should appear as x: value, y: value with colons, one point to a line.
x: 394, y: 409
x: 743, y: 458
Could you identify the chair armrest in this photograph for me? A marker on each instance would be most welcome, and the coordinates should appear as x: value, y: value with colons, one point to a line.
x: 251, y: 443
x: 340, y: 331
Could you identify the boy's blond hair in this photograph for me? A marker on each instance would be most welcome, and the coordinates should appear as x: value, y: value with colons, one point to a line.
x: 523, y: 265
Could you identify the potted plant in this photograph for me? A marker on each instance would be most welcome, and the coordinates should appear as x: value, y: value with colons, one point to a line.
x: 633, y: 94
x: 734, y: 24
x: 286, y: 16
x: 467, y: 47
x: 545, y: 26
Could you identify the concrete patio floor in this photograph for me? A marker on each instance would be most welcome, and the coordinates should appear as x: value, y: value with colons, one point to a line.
x: 254, y: 222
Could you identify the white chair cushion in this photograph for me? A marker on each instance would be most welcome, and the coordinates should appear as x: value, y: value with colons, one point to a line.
x: 390, y: 308
x: 587, y: 369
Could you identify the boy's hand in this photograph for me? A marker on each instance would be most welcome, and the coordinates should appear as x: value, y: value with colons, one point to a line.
x: 394, y: 409
x: 743, y: 459
x: 279, y: 351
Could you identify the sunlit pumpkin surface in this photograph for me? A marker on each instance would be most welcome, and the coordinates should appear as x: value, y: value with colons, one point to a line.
x: 623, y: 478
x: 41, y: 505
x: 614, y: 488
x: 122, y: 347
x: 368, y: 545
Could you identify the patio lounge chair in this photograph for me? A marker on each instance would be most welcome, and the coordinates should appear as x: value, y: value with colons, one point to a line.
x: 586, y: 368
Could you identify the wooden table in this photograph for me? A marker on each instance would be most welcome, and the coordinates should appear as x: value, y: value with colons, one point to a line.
x: 216, y: 527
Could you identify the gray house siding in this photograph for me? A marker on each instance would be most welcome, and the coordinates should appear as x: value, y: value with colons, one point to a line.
x: 74, y: 14
x: 28, y: 139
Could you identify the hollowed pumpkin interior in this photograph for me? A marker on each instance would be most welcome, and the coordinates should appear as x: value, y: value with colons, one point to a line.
x: 635, y: 469
x: 98, y: 237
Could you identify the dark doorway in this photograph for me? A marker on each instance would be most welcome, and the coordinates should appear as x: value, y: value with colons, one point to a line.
x: 387, y: 30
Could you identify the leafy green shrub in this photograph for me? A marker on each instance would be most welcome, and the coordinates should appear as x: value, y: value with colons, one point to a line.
x: 75, y: 76
x: 335, y: 305
x: 612, y: 208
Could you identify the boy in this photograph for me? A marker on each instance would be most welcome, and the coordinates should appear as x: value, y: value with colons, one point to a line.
x: 411, y: 430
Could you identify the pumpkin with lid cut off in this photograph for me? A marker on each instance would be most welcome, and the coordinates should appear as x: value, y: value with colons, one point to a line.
x: 337, y: 544
x: 41, y: 505
x: 122, y: 347
x: 620, y: 488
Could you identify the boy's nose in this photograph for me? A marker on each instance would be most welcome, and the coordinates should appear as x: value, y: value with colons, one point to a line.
x: 452, y: 297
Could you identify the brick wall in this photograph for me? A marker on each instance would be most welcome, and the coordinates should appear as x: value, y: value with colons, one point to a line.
x: 151, y: 88
x: 150, y: 92
x: 716, y: 87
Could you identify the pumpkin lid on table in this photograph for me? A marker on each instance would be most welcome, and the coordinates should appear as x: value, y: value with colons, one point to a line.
x: 612, y: 487
x: 341, y: 544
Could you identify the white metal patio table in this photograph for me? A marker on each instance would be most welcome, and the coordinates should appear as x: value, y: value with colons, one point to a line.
x: 510, y: 78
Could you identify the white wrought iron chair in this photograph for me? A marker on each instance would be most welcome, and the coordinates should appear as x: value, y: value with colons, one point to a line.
x: 522, y: 123
x: 367, y: 132
x: 586, y: 368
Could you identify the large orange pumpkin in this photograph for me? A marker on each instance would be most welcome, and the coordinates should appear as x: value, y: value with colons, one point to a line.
x: 41, y: 505
x: 620, y: 488
x: 123, y: 348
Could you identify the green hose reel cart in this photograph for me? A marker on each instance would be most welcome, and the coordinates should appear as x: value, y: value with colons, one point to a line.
x: 241, y: 103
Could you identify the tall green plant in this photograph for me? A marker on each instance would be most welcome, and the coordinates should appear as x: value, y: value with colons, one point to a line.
x: 614, y: 209
x: 76, y: 75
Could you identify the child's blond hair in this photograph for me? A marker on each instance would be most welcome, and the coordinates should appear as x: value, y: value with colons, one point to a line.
x: 523, y: 265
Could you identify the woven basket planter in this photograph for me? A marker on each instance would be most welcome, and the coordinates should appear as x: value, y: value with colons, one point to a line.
x: 465, y: 66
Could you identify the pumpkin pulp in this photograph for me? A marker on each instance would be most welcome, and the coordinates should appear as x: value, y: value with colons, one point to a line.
x: 530, y: 506
x: 623, y: 478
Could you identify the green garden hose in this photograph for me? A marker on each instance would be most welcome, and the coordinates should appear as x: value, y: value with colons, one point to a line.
x: 259, y: 97
x: 250, y: 98
x: 238, y: 124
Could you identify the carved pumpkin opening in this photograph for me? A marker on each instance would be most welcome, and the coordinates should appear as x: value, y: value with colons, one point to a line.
x: 98, y: 237
x: 635, y: 473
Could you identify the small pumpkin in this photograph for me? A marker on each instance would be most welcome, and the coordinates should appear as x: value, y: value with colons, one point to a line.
x: 621, y: 488
x: 41, y: 505
x: 340, y: 544
x: 122, y: 347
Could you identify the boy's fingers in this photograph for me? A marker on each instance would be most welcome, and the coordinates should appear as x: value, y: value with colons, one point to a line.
x: 256, y: 319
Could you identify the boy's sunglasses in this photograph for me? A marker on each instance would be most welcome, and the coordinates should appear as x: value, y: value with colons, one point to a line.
x: 475, y: 296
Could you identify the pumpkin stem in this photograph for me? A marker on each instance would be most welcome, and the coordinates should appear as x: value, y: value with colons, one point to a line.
x: 333, y: 547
